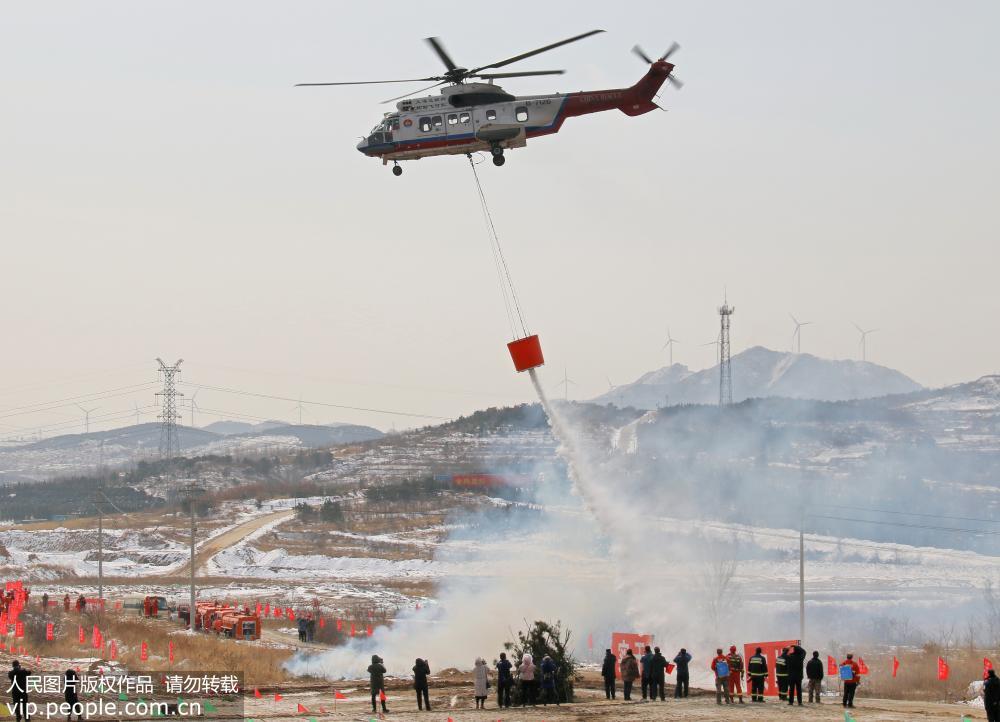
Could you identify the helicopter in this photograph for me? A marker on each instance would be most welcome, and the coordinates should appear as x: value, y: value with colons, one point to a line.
x: 477, y: 116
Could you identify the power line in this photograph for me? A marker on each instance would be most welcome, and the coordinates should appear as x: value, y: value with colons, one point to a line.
x: 313, y: 403
x: 72, y: 400
x: 110, y: 416
x: 913, y: 513
x: 909, y: 526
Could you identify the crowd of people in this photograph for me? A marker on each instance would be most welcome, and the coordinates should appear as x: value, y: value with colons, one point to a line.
x: 540, y: 682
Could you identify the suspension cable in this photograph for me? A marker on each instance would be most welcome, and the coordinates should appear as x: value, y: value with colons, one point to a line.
x: 503, y: 270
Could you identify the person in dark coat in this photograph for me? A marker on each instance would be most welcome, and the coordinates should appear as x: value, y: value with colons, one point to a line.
x: 549, y: 672
x: 781, y: 674
x: 682, y: 660
x: 420, y: 671
x: 796, y: 660
x: 814, y: 672
x: 72, y: 696
x: 18, y: 677
x: 303, y: 625
x: 609, y: 672
x: 991, y: 696
x: 757, y: 675
x: 630, y: 672
x: 505, y: 680
x: 657, y: 675
x: 376, y: 676
x: 644, y: 665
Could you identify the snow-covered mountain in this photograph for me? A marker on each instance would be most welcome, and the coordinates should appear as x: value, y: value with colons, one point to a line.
x: 759, y: 372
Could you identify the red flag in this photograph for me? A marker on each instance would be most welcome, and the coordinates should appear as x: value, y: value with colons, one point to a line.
x: 338, y: 695
x: 277, y: 611
x: 144, y: 652
x: 256, y: 693
x: 370, y: 631
x: 290, y: 613
x: 170, y: 652
x: 258, y: 609
x: 267, y: 609
x: 381, y: 695
x: 278, y: 698
x: 114, y: 650
x: 300, y: 708
x: 340, y: 624
x: 862, y: 667
x: 943, y: 669
x: 97, y: 638
x: 50, y: 632
x: 895, y: 666
x: 82, y: 635
x: 987, y: 666
x: 322, y: 622
x: 352, y: 629
x: 590, y: 641
x: 831, y: 665
x: 670, y: 668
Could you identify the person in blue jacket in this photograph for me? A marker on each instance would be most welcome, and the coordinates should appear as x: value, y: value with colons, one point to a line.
x: 646, y: 665
x: 549, y: 673
x: 682, y: 660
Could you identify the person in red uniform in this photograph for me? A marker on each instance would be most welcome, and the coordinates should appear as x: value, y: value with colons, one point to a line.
x: 850, y: 684
x: 735, y: 661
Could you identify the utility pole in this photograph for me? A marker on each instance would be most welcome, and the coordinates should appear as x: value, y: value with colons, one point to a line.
x: 191, y: 612
x: 169, y: 442
x: 802, y: 581
x: 725, y: 365
x: 100, y: 550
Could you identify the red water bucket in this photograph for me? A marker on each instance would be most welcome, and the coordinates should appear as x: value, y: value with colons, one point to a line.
x: 526, y: 353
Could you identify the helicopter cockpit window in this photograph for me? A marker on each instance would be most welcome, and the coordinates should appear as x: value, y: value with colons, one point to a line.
x: 452, y: 119
x: 491, y: 115
x: 425, y: 125
x: 464, y: 118
x: 521, y: 113
x: 393, y: 123
x: 438, y: 121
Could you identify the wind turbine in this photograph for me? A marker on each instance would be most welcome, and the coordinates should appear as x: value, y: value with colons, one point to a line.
x: 86, y: 417
x: 670, y: 345
x: 194, y: 406
x: 299, y: 407
x: 797, y: 335
x: 715, y: 343
x: 864, y: 340
x: 565, y: 383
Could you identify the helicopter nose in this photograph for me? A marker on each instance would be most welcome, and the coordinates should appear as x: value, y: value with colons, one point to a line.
x: 362, y: 145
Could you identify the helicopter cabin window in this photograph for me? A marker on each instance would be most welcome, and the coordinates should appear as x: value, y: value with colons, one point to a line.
x: 521, y: 113
x: 425, y: 125
x: 464, y: 117
x: 394, y: 124
x: 438, y: 121
x: 491, y: 115
x: 452, y: 119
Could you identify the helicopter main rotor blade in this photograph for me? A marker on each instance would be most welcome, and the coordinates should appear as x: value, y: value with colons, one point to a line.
x: 413, y: 92
x: 435, y: 43
x: 674, y: 47
x: 675, y: 82
x: 641, y: 53
x: 370, y: 82
x: 522, y: 56
x: 525, y: 74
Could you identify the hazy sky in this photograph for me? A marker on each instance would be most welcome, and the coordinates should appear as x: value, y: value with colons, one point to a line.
x: 165, y: 191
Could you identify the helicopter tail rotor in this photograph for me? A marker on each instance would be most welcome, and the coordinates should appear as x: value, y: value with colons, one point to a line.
x: 674, y: 47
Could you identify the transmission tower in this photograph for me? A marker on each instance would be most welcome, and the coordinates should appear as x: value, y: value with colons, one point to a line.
x: 170, y: 445
x: 725, y: 365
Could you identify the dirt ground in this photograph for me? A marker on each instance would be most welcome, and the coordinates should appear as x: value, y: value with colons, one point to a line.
x: 592, y: 706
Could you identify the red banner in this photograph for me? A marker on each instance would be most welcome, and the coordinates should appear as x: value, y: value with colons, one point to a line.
x: 771, y: 651
x: 170, y: 652
x: 144, y: 652
x: 943, y: 670
x: 831, y: 666
x: 621, y: 642
x: 81, y: 635
x: 895, y: 666
x: 50, y: 632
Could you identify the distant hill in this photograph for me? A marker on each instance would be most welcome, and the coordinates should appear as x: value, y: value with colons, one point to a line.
x: 227, y: 427
x: 759, y: 372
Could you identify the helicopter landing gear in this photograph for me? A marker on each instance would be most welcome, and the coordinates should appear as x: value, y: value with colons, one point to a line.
x: 497, y: 151
x: 397, y: 169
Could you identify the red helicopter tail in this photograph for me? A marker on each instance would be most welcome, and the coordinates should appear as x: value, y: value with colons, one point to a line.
x: 639, y: 98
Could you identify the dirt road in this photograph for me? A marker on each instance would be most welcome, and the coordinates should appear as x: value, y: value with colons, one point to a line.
x: 227, y: 539
x: 593, y: 707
